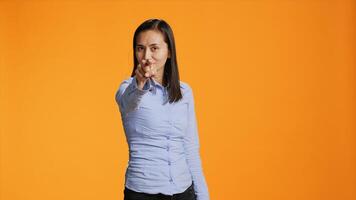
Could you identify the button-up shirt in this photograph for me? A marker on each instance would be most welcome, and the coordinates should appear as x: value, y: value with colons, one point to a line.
x: 162, y: 138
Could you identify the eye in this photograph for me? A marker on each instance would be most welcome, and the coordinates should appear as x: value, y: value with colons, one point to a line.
x: 154, y: 48
x: 139, y: 48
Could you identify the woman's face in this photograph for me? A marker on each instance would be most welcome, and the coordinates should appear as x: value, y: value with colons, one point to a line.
x: 151, y: 49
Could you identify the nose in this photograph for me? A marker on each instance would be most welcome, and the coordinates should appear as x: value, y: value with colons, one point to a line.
x: 147, y: 55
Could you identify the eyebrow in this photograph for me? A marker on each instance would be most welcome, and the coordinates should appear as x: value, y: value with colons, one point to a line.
x: 153, y: 44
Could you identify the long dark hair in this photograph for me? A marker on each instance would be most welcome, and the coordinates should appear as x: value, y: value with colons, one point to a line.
x: 170, y: 74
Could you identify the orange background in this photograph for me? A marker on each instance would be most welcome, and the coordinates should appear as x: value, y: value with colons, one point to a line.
x: 274, y: 85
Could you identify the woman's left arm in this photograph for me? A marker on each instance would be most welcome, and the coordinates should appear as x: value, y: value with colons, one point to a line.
x: 191, y: 145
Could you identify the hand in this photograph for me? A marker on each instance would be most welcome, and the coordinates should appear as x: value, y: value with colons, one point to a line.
x: 143, y: 74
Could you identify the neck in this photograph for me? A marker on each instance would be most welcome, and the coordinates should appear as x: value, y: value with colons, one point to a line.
x: 158, y: 80
x: 159, y: 77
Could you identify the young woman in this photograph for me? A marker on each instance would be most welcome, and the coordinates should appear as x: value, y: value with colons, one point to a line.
x: 158, y: 116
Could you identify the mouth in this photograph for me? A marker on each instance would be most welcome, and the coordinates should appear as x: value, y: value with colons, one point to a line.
x: 148, y: 64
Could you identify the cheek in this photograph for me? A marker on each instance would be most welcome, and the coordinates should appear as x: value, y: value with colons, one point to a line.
x: 138, y: 55
x: 160, y: 57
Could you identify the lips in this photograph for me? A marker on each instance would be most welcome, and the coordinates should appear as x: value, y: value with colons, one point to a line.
x: 147, y: 64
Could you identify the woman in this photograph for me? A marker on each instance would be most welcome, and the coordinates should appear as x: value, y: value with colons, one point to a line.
x: 158, y: 116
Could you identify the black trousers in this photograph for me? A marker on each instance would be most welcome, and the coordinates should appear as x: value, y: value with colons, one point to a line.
x: 188, y: 194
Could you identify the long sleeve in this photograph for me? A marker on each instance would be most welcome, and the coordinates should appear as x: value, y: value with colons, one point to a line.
x: 191, y: 146
x: 129, y: 95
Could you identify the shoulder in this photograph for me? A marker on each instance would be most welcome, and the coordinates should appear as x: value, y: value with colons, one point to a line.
x: 186, y: 89
x: 184, y: 86
x: 123, y: 85
x: 127, y: 80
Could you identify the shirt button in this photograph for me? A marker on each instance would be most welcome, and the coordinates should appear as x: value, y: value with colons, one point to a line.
x: 169, y: 162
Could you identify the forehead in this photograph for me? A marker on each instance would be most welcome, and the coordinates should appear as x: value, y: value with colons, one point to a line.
x: 149, y: 37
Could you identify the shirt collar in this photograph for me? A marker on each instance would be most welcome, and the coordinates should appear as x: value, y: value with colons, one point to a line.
x: 153, y: 88
x: 154, y: 84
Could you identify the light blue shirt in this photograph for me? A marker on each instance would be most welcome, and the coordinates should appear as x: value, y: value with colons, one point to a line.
x: 162, y: 138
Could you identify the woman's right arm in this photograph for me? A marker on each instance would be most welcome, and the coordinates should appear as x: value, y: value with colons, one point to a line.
x: 129, y: 95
